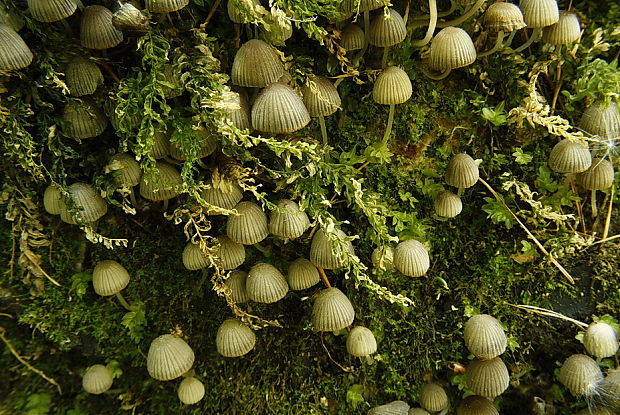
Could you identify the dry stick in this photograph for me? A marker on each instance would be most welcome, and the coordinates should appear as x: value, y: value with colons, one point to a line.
x: 35, y: 263
x: 532, y: 237
x: 330, y: 356
x: 109, y: 70
x: 25, y: 363
x: 549, y: 313
x: 608, y: 217
x: 210, y: 15
x: 324, y: 277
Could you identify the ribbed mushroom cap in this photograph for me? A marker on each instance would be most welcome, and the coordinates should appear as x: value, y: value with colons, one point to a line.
x: 326, y: 255
x: 600, y: 340
x: 570, y: 156
x: 130, y: 20
x: 580, y: 374
x: 484, y: 336
x: 288, y: 220
x: 83, y: 120
x: 256, y: 64
x: 599, y: 176
x: 51, y: 10
x: 387, y: 31
x: 236, y: 8
x: 83, y: 76
x: 230, y: 254
x: 223, y: 197
x: 97, y: 379
x: 447, y: 204
x: 462, y: 171
x: 15, y: 53
x: 382, y: 257
x: 165, y: 6
x: 611, y: 387
x: 206, y: 140
x: 539, y: 13
x: 126, y: 170
x: 361, y: 342
x: 354, y: 6
x: 451, y: 48
x: 97, y: 30
x: 503, y: 17
x: 302, y: 274
x: 234, y: 338
x: 279, y: 110
x: 320, y: 97
x: 601, y: 119
x: 392, y: 87
x: 352, y: 37
x: 476, y: 405
x: 411, y: 258
x: 433, y: 398
x: 392, y: 408
x: 566, y: 30
x: 169, y: 357
x: 250, y: 226
x: 237, y: 282
x: 161, y: 143
x: 52, y: 200
x: 190, y: 390
x: 417, y: 411
x: 193, y: 258
x: 240, y: 117
x: 265, y: 284
x: 109, y: 278
x: 87, y: 200
x: 488, y: 378
x: 163, y: 184
x: 332, y: 310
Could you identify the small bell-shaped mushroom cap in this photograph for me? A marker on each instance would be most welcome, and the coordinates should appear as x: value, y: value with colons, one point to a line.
x: 223, y: 197
x: 83, y: 120
x: 503, y: 17
x: 230, y: 254
x: 265, y: 284
x: 109, y: 278
x: 320, y: 97
x: 130, y: 20
x: 190, y: 391
x: 52, y: 200
x: 580, y: 374
x: 193, y: 258
x: 392, y: 87
x: 433, y: 398
x: 332, y: 310
x: 484, y: 336
x: 355, y: 6
x: 570, y: 156
x: 539, y: 13
x: 392, y: 408
x: 207, y: 141
x: 87, y: 200
x: 447, y: 204
x: 169, y: 357
x: 566, y: 30
x: 163, y: 184
x: 476, y: 405
x: 601, y: 119
x: 600, y: 340
x: 288, y: 220
x: 382, y: 258
x: 51, y: 10
x: 236, y: 9
x: 361, y: 342
x: 451, y: 48
x: 599, y: 176
x: 97, y: 30
x: 462, y: 171
x: 234, y: 338
x: 15, y: 53
x: 161, y: 143
x: 387, y: 30
x: 240, y: 112
x: 279, y: 110
x: 237, y: 283
x: 488, y: 378
x: 302, y: 274
x: 126, y: 170
x: 611, y: 386
x: 97, y: 379
x: 256, y: 64
x: 165, y: 6
x: 418, y: 411
x: 83, y: 76
x: 326, y: 255
x: 411, y: 258
x: 352, y: 37
x: 250, y: 226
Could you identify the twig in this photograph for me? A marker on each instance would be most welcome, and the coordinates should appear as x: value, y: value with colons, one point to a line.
x: 608, y: 217
x: 210, y: 15
x: 602, y: 241
x: 548, y: 313
x: 25, y: 363
x: 110, y: 72
x: 35, y: 263
x: 536, y: 241
x: 324, y: 277
x: 345, y: 369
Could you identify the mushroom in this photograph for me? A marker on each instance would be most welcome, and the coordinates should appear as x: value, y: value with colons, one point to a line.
x: 476, y: 405
x: 83, y: 76
x: 326, y: 253
x: 165, y: 6
x: 499, y: 19
x: 570, y: 156
x: 193, y: 257
x: 229, y: 255
x: 97, y: 30
x: 207, y: 141
x: 580, y: 374
x: 302, y: 274
x: 599, y: 176
x: 321, y: 99
x: 382, y: 258
x: 361, y: 342
x: 110, y: 278
x: 433, y: 398
x: 239, y: 111
x: 249, y: 227
x: 332, y: 310
x: 161, y: 143
x: 15, y: 53
x: 163, y: 183
x: 237, y: 11
x: 352, y: 38
x: 566, y: 30
x: 476, y: 4
x: 51, y: 10
x: 387, y: 30
x: 602, y: 119
x: 278, y: 28
x: 86, y: 200
x: 447, y: 205
x: 127, y: 173
x: 256, y: 64
x: 364, y: 6
x: 52, y: 199
x: 417, y: 411
x: 234, y: 339
x: 451, y: 48
x: 83, y: 119
x: 538, y: 14
x: 190, y: 391
x: 392, y: 408
x: 236, y: 282
x: 279, y: 110
x: 411, y: 258
x: 169, y: 357
x: 488, y: 378
x: 484, y: 336
x: 97, y: 379
x: 265, y: 284
x: 287, y: 220
x: 600, y: 340
x: 224, y: 195
x: 462, y: 172
x: 392, y: 87
x: 130, y: 20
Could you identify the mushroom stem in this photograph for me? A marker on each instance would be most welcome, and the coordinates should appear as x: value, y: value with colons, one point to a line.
x: 266, y: 251
x: 496, y: 47
x: 123, y: 302
x: 67, y: 28
x: 132, y: 197
x: 79, y: 4
x: 469, y: 13
x: 459, y: 192
x: 201, y: 164
x: 511, y: 38
x: 439, y: 77
x: 165, y: 205
x: 385, y: 57
x: 324, y: 277
x: 593, y: 201
x: 390, y: 121
x: 534, y: 38
x: 432, y: 24
x: 421, y: 20
x: 323, y: 129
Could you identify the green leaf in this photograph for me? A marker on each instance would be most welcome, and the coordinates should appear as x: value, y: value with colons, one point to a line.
x: 135, y: 321
x: 521, y: 157
x: 80, y: 283
x: 496, y: 116
x: 544, y: 182
x: 38, y: 404
x: 498, y: 213
x: 355, y: 395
